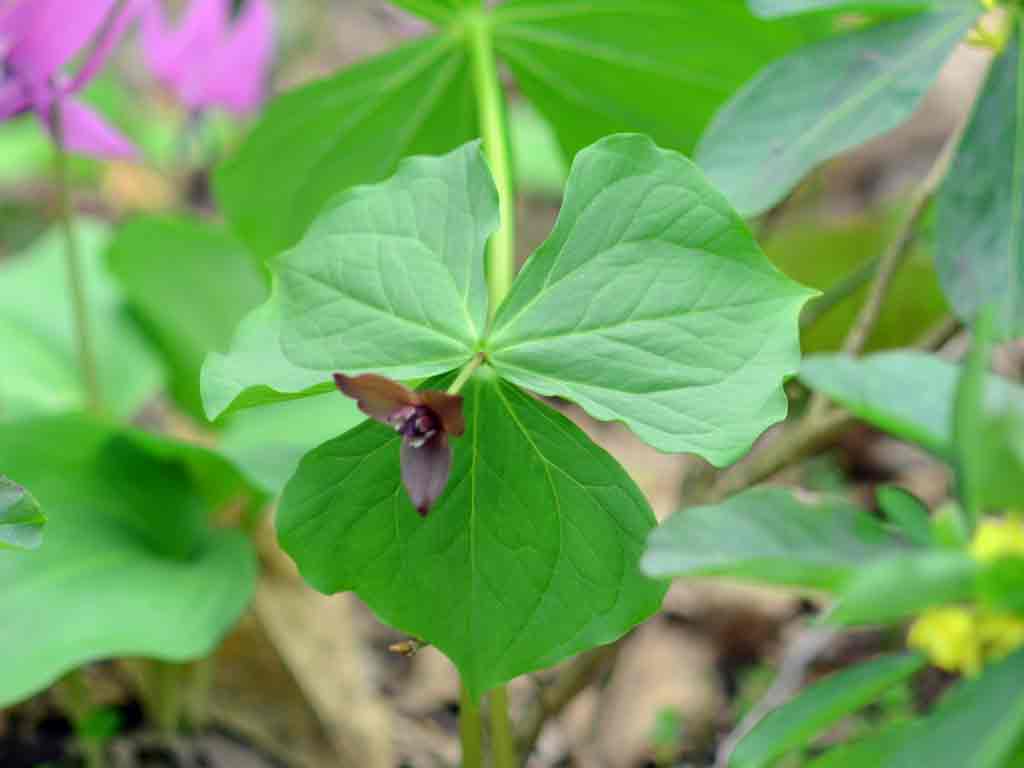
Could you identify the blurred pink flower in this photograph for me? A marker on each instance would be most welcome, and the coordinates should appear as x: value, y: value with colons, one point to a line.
x: 37, y: 40
x: 210, y: 60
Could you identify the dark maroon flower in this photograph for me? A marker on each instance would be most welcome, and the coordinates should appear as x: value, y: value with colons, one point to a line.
x: 423, y: 419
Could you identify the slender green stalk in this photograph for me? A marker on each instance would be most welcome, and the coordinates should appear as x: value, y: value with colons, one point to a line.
x: 490, y: 97
x: 80, y: 706
x: 163, y: 683
x: 503, y: 744
x: 464, y: 375
x: 469, y: 731
x: 76, y: 286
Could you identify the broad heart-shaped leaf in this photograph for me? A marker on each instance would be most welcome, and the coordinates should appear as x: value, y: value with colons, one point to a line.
x: 891, y: 589
x: 908, y: 394
x: 870, y: 749
x: 254, y: 370
x: 191, y: 283
x: 128, y: 566
x: 21, y: 519
x: 980, y: 217
x: 651, y: 304
x: 822, y: 100
x: 657, y: 67
x: 350, y: 129
x: 529, y: 556
x: 768, y: 535
x: 38, y: 360
x: 820, y: 705
x: 978, y: 724
x: 390, y: 277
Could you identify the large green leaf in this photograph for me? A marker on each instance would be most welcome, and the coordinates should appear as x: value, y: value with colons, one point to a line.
x: 21, y: 519
x: 768, y: 535
x: 822, y: 100
x: 596, y: 67
x: 979, y: 724
x: 267, y: 443
x: 980, y: 218
x: 529, y: 556
x: 192, y: 283
x: 820, y: 705
x: 988, y: 434
x: 893, y: 588
x: 350, y: 129
x: 129, y: 565
x: 390, y: 277
x: 254, y: 371
x: 909, y: 394
x: 866, y: 751
x: 651, y: 303
x: 38, y: 357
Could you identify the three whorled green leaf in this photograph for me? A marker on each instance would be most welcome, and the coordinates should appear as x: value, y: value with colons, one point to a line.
x: 822, y: 100
x: 528, y: 557
x: 652, y: 304
x: 590, y: 68
x: 980, y: 218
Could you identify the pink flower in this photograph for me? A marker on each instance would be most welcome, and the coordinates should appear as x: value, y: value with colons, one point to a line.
x: 37, y: 40
x: 210, y: 60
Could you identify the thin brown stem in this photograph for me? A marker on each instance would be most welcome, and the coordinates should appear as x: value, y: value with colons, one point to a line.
x: 552, y: 699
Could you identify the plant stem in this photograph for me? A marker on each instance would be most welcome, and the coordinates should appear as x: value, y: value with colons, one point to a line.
x: 164, y: 695
x: 503, y: 745
x: 490, y: 98
x: 464, y: 375
x: 80, y: 706
x: 76, y: 286
x: 837, y: 293
x: 469, y: 731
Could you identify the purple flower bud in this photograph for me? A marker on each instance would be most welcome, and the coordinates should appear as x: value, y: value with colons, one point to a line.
x: 423, y: 419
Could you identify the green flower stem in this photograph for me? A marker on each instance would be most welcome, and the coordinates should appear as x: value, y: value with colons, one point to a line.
x: 469, y: 731
x: 76, y: 287
x: 464, y: 375
x: 490, y: 98
x: 80, y: 705
x: 503, y: 744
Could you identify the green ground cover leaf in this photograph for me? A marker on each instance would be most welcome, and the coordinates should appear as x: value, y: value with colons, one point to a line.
x: 980, y: 217
x: 770, y: 9
x: 908, y: 394
x: 529, y: 556
x: 820, y: 705
x: 823, y: 99
x: 768, y: 535
x: 21, y: 519
x: 651, y: 303
x: 38, y: 358
x: 348, y: 129
x: 191, y: 283
x: 978, y: 724
x: 129, y: 566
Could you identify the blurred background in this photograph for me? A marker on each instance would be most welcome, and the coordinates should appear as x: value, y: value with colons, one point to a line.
x: 306, y: 680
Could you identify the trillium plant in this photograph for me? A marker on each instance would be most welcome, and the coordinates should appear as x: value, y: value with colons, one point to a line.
x: 363, y: 349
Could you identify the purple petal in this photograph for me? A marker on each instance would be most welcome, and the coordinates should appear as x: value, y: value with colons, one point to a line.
x: 377, y: 396
x: 425, y: 471
x: 112, y: 31
x: 178, y: 58
x: 12, y: 99
x: 239, y: 70
x: 49, y: 33
x: 86, y: 133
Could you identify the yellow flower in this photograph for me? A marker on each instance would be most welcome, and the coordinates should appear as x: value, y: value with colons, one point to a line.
x: 998, y: 537
x: 999, y: 634
x: 949, y: 638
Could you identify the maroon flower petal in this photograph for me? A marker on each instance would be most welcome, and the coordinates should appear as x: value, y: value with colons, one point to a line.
x: 377, y: 396
x: 425, y: 471
x: 448, y: 409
